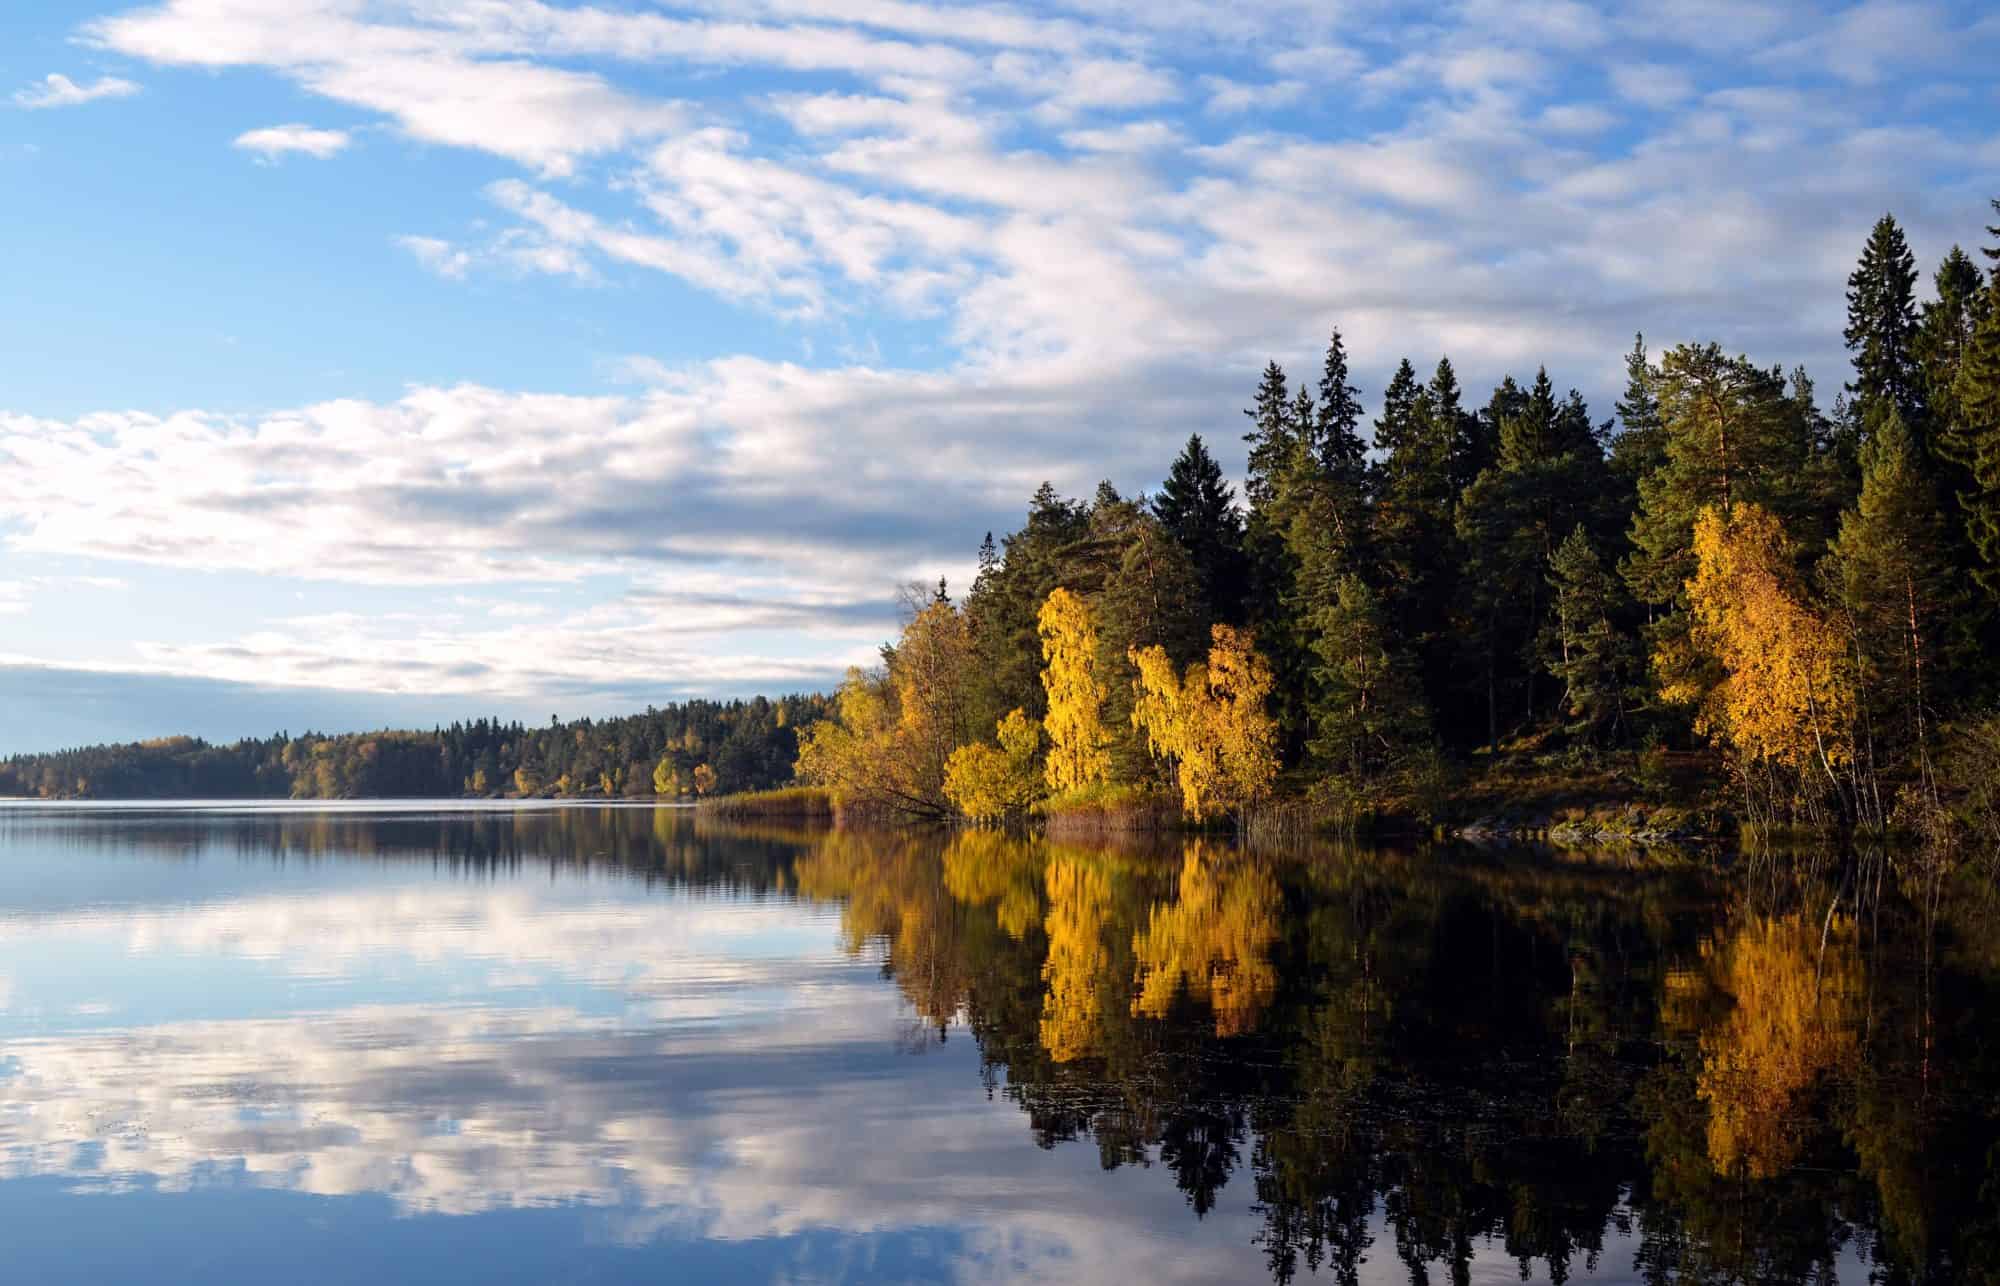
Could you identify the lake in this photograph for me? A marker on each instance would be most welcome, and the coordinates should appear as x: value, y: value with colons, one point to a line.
x: 605, y: 1044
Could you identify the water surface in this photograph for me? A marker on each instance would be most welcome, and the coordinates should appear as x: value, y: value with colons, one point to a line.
x: 408, y: 1043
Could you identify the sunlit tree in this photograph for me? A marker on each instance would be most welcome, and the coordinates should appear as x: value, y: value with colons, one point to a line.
x: 1079, y: 747
x: 1211, y: 723
x: 985, y: 781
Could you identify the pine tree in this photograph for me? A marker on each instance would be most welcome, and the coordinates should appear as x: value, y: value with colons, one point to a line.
x: 1642, y: 446
x: 1340, y: 450
x: 1368, y: 708
x: 1198, y: 509
x: 1594, y: 659
x: 1416, y: 552
x: 1974, y: 441
x: 1397, y: 426
x: 1550, y: 477
x: 1882, y: 327
x: 1731, y: 434
x: 1946, y: 332
x: 1272, y: 435
x: 1892, y: 567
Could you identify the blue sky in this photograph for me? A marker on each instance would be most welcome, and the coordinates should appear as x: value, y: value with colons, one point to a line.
x: 363, y: 361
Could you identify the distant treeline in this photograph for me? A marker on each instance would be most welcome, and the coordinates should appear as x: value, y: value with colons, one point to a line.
x: 697, y: 747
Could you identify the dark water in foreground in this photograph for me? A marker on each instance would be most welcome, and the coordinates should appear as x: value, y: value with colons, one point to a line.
x: 596, y: 1045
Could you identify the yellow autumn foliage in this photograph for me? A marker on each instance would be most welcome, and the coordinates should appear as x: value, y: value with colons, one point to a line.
x: 985, y: 781
x: 1215, y: 941
x: 1073, y: 1004
x: 1786, y: 693
x: 1079, y: 747
x: 1211, y: 723
x: 993, y: 868
x: 1795, y: 1019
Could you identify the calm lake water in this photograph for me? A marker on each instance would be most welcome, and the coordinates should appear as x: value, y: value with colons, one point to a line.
x: 616, y: 1044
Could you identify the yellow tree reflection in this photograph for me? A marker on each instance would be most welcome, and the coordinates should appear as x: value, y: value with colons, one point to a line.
x: 1794, y: 1020
x: 1078, y: 961
x: 1215, y: 940
x: 993, y: 868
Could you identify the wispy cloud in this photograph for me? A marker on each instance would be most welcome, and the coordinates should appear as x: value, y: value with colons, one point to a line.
x: 276, y: 141
x: 55, y: 90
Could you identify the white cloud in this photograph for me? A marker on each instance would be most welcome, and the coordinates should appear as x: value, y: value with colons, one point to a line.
x: 1104, y: 221
x: 1233, y: 98
x: 441, y: 257
x: 276, y: 141
x: 56, y: 90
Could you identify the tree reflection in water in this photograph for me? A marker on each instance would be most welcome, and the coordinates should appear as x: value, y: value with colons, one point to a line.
x: 1401, y: 1056
x: 1440, y: 1050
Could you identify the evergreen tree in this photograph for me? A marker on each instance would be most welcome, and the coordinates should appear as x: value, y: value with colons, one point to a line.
x: 1945, y: 333
x: 1550, y: 477
x: 1642, y: 446
x: 1339, y: 448
x: 1152, y: 598
x: 1731, y: 434
x: 1416, y: 553
x: 1974, y: 440
x: 1881, y: 329
x: 1593, y: 658
x: 1198, y: 509
x: 1892, y: 568
x: 1272, y: 436
x: 1397, y: 427
x: 1368, y: 709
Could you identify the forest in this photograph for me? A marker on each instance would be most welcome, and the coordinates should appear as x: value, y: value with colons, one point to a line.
x: 695, y: 748
x: 1793, y: 594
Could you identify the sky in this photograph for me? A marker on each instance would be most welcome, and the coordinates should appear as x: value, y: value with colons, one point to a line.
x: 377, y: 362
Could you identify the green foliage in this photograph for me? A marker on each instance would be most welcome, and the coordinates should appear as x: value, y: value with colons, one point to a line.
x: 1197, y: 509
x: 1891, y: 568
x: 1368, y: 706
x: 1973, y: 440
x: 1594, y: 659
x: 750, y: 745
x: 1881, y: 329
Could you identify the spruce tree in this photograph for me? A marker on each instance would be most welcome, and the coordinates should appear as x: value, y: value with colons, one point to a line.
x: 1891, y: 565
x: 1550, y: 477
x: 1368, y: 709
x: 1271, y: 437
x: 1642, y: 445
x: 1974, y: 440
x: 1416, y: 554
x: 1341, y: 452
x: 1397, y: 426
x: 1946, y: 331
x: 1881, y: 329
x: 1594, y: 659
x: 1197, y: 507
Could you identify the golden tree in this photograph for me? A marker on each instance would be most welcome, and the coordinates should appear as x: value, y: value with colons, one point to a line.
x: 985, y: 781
x: 1211, y: 723
x: 894, y: 731
x: 1079, y: 748
x: 1785, y: 692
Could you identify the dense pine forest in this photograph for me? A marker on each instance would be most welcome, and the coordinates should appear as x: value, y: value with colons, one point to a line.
x: 1794, y: 593
x: 696, y: 748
